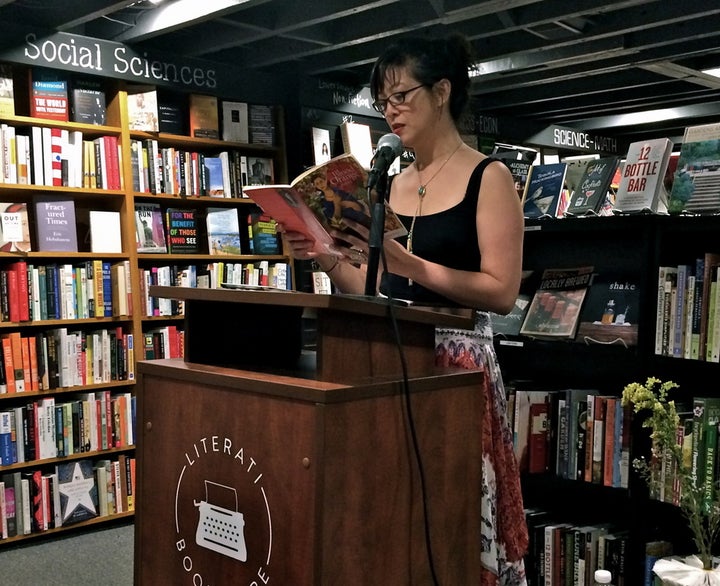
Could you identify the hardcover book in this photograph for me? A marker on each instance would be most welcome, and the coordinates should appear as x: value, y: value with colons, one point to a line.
x: 214, y: 177
x: 105, y: 235
x: 223, y: 231
x: 321, y: 145
x: 543, y: 190
x: 264, y: 237
x: 172, y: 113
x: 641, y: 187
x: 593, y: 187
x: 576, y: 169
x: 509, y: 324
x: 518, y: 160
x: 694, y: 190
x: 182, y: 233
x: 204, y: 121
x: 261, y: 124
x: 88, y: 101
x: 142, y: 105
x: 556, y: 305
x: 611, y: 311
x: 55, y: 224
x: 149, y: 226
x: 14, y: 227
x: 48, y: 95
x: 78, y: 491
x: 7, y: 90
x: 235, y: 121
x: 320, y: 199
x: 357, y: 141
x: 261, y: 171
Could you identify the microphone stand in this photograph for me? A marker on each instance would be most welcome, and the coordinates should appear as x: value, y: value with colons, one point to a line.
x: 377, y: 230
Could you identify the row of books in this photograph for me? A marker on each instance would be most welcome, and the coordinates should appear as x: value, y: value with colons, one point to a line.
x: 48, y: 428
x: 34, y: 501
x: 174, y: 171
x: 65, y: 358
x: 59, y: 157
x: 687, y: 319
x: 575, y: 303
x: 561, y: 552
x: 573, y: 433
x: 163, y: 342
x: 39, y: 292
x: 209, y: 276
x: 649, y: 179
x: 181, y: 230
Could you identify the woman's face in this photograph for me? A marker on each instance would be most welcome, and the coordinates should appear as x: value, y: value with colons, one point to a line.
x: 410, y: 119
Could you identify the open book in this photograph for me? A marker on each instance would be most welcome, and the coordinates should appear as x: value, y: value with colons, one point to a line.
x: 321, y: 199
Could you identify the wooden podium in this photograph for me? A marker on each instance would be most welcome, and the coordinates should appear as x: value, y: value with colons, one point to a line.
x: 258, y: 463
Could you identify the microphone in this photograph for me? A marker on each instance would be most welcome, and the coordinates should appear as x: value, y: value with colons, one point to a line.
x: 389, y: 148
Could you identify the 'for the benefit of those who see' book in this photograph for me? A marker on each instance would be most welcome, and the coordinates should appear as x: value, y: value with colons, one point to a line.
x: 555, y: 308
x: 321, y: 199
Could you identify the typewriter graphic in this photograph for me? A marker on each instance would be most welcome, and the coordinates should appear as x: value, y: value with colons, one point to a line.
x: 220, y: 527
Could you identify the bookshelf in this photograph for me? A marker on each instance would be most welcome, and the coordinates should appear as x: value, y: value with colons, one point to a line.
x: 116, y: 334
x: 619, y: 245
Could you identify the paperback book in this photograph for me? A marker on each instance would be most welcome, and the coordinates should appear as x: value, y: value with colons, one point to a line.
x: 142, y: 105
x: 105, y: 234
x: 264, y: 237
x: 182, y: 233
x: 7, y: 90
x: 223, y: 231
x: 55, y: 224
x: 235, y: 121
x: 694, y: 186
x: 543, y: 190
x: 204, y: 121
x: 14, y: 227
x: 149, y: 228
x: 593, y: 187
x: 556, y: 305
x: 321, y: 199
x: 78, y: 491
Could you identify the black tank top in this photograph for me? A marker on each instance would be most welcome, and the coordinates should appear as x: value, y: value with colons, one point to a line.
x: 448, y: 238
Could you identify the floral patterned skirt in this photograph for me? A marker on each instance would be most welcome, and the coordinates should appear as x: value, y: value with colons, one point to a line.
x: 503, y: 526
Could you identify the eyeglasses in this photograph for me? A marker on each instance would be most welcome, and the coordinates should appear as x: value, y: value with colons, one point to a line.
x: 394, y: 99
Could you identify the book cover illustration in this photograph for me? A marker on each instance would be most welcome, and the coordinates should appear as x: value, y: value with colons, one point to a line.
x: 182, y: 236
x: 641, y: 187
x: 593, y: 187
x: 319, y: 200
x: 223, y: 231
x: 265, y: 238
x: 260, y: 171
x: 543, y: 189
x: 88, y: 102
x: 576, y: 169
x: 142, y: 105
x: 149, y: 226
x: 78, y: 491
x: 48, y: 95
x: 611, y: 311
x: 55, y: 224
x: 696, y: 183
x: 235, y: 121
x: 7, y: 91
x: 555, y: 308
x: 321, y: 145
x: 204, y: 121
x: 214, y: 177
x: 14, y: 227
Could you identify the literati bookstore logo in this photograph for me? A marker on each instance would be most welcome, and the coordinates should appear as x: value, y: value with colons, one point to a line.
x: 223, y: 515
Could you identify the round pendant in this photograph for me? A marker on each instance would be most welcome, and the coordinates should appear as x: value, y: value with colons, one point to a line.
x: 421, y: 190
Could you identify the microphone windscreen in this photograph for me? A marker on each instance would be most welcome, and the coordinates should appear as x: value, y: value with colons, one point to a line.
x: 393, y: 141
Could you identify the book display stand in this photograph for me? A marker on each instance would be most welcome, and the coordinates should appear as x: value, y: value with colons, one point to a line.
x: 258, y: 460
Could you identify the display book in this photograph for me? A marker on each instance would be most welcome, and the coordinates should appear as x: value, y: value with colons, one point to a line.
x: 695, y: 182
x: 320, y: 200
x: 554, y: 311
x: 543, y: 190
x: 591, y: 195
x: 641, y: 187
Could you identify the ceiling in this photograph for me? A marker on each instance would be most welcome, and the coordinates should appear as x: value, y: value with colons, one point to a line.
x: 600, y: 66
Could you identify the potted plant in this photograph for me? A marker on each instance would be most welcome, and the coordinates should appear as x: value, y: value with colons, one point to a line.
x: 661, y: 417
